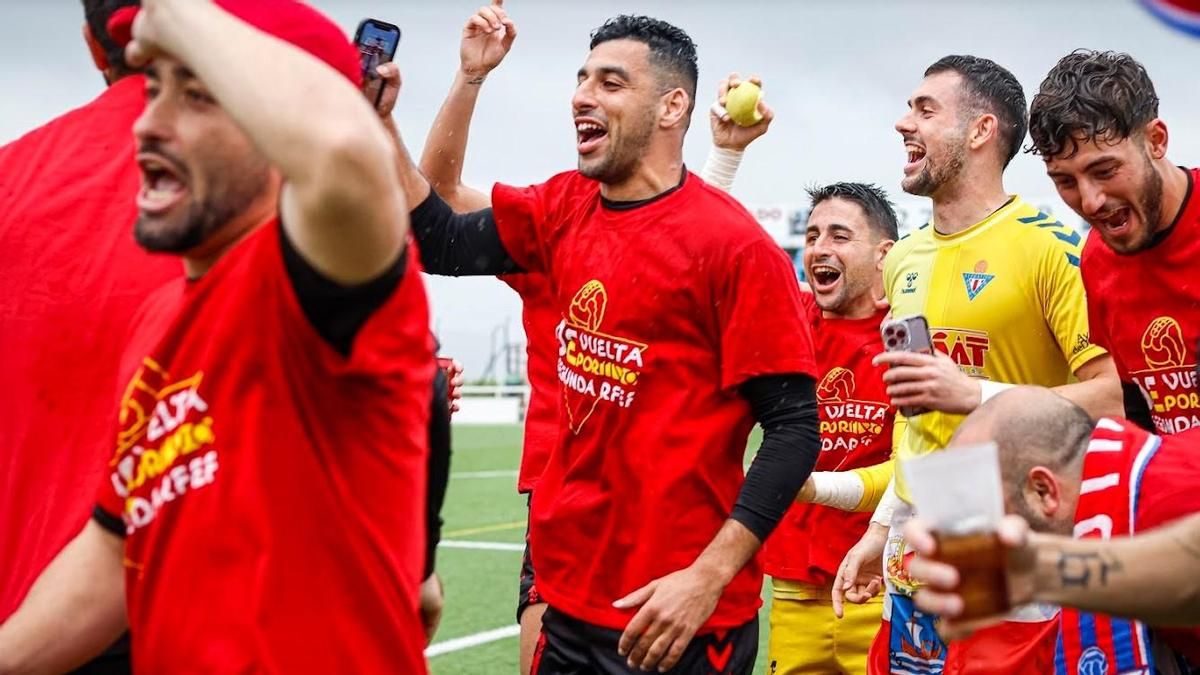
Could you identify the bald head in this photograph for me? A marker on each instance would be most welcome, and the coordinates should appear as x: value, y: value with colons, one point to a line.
x: 1041, y: 438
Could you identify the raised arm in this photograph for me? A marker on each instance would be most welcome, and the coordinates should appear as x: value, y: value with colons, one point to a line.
x: 487, y: 38
x: 74, y: 611
x: 729, y: 139
x: 341, y: 203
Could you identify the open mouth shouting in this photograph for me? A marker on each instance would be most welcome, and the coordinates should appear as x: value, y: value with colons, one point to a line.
x: 163, y: 184
x: 916, y: 156
x: 1113, y: 222
x: 590, y: 133
x: 824, y: 278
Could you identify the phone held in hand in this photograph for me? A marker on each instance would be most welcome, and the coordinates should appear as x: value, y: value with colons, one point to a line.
x: 908, y: 334
x: 376, y: 41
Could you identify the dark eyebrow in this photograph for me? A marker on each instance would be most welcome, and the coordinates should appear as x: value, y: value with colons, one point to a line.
x: 605, y: 70
x: 922, y: 100
x: 183, y: 73
x: 1097, y: 162
x: 836, y: 227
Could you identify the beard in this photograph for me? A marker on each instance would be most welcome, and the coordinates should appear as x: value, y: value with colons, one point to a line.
x: 934, y: 175
x: 180, y: 233
x: 1150, y: 206
x: 624, y: 154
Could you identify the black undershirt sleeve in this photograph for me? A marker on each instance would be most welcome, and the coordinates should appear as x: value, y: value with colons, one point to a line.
x: 786, y: 408
x: 1136, y: 408
x: 439, y: 468
x: 459, y: 244
x: 108, y: 521
x: 335, y: 310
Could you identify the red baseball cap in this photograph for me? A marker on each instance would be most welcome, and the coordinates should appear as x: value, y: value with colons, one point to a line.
x: 288, y: 20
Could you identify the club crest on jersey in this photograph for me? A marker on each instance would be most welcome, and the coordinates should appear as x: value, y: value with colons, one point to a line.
x: 1169, y: 381
x: 976, y: 282
x: 166, y: 444
x: 1093, y: 662
x: 595, y: 366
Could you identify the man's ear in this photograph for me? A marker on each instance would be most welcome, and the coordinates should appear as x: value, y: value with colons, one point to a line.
x: 97, y: 50
x: 881, y: 251
x: 675, y: 108
x: 1044, y: 488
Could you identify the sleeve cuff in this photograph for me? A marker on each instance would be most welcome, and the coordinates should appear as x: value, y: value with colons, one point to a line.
x: 108, y: 521
x: 759, y: 525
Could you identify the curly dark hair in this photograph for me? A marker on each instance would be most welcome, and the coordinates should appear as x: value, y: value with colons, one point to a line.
x: 881, y: 216
x: 1089, y: 95
x: 990, y: 88
x: 672, y: 51
x: 97, y: 13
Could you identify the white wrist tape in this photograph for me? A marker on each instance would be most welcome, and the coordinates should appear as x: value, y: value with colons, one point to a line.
x: 988, y: 389
x: 887, y: 505
x: 721, y: 167
x: 839, y: 489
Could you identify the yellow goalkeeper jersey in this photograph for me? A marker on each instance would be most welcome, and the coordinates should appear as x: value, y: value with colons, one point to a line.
x: 1003, y: 298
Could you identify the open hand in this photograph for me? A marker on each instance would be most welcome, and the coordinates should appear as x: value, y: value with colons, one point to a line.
x: 486, y: 39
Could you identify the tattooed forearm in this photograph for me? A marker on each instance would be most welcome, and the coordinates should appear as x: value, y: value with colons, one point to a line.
x: 1086, y: 570
x: 1151, y: 577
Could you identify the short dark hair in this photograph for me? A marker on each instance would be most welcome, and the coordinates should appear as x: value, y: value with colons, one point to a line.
x: 672, y: 51
x: 881, y: 215
x: 991, y: 88
x: 97, y: 13
x: 1089, y: 95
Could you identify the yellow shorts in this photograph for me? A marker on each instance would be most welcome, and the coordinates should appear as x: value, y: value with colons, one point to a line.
x: 807, y: 638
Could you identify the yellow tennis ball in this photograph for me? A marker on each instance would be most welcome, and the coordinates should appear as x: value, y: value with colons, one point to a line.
x: 741, y: 103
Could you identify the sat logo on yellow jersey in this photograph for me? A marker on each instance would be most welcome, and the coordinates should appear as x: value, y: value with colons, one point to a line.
x: 967, y: 348
x: 594, y: 366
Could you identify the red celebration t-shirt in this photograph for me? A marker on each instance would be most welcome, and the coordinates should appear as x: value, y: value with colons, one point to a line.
x: 856, y: 432
x: 1145, y: 310
x: 539, y: 316
x: 71, y: 278
x: 272, y: 490
x: 667, y: 307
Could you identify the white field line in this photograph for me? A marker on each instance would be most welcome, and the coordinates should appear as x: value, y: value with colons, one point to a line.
x: 484, y: 474
x: 468, y: 641
x: 484, y: 545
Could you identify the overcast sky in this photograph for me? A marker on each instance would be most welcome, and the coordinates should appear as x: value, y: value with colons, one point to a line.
x: 837, y: 73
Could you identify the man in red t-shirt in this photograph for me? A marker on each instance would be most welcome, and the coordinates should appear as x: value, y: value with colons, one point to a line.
x: 71, y: 278
x: 1065, y: 474
x: 681, y: 325
x: 1095, y: 123
x: 487, y: 37
x: 263, y: 502
x: 850, y: 229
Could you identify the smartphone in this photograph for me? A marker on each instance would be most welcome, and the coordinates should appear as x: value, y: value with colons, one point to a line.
x: 376, y: 41
x: 908, y: 334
